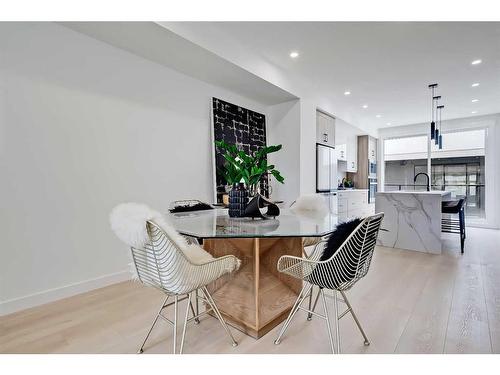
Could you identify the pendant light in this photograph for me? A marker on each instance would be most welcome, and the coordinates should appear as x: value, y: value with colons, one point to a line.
x: 440, y: 141
x: 436, y: 133
x: 433, y: 124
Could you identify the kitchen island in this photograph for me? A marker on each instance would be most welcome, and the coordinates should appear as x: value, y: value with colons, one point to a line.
x: 412, y: 219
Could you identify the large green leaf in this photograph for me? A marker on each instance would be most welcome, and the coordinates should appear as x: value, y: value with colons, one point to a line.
x: 277, y: 176
x: 239, y: 165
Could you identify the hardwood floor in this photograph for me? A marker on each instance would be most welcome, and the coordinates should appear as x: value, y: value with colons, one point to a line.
x: 408, y: 303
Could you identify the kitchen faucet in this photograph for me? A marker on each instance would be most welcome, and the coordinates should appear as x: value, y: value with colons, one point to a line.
x: 428, y: 180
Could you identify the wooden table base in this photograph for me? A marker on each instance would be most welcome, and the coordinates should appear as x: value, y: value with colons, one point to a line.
x: 257, y: 297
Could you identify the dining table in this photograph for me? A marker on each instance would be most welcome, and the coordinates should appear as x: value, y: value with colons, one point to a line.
x: 256, y: 297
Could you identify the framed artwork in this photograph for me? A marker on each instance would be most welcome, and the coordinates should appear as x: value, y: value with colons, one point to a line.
x: 240, y: 126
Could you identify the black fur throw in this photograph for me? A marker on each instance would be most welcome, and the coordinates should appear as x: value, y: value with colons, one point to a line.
x: 195, y: 207
x: 338, y: 237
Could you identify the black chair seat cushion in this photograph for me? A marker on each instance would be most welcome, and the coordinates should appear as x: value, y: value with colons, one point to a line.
x: 451, y: 207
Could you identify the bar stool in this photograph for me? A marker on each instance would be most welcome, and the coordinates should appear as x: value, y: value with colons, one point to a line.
x: 452, y: 225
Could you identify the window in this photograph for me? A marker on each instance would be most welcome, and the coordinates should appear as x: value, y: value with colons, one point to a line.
x: 458, y: 167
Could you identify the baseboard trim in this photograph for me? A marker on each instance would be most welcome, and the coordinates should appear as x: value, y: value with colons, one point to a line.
x: 51, y: 295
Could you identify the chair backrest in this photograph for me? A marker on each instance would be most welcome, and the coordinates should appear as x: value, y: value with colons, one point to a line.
x: 161, y: 263
x: 352, y: 260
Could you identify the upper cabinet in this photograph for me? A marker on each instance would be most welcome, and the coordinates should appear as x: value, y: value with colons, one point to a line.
x: 341, y: 151
x: 372, y: 149
x: 325, y: 129
x: 346, y: 148
x: 352, y: 154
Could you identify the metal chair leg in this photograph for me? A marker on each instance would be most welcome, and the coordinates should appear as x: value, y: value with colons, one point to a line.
x: 310, y: 315
x: 197, y: 320
x: 189, y: 305
x: 141, y: 349
x: 176, y: 305
x: 463, y: 220
x: 218, y: 315
x: 325, y: 307
x: 302, y: 295
x: 461, y: 217
x: 337, y: 326
x: 367, y: 342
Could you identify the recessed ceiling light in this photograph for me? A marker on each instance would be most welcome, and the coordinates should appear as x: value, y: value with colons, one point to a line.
x: 347, y: 93
x: 474, y: 112
x: 378, y: 116
x: 388, y: 123
x: 475, y: 84
x: 365, y: 106
x: 478, y: 61
x: 474, y: 100
x: 294, y: 54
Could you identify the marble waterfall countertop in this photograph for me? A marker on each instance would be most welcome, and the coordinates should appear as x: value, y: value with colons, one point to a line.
x: 412, y: 219
x: 432, y: 192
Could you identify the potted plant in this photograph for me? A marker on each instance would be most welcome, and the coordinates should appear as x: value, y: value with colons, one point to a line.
x: 244, y: 172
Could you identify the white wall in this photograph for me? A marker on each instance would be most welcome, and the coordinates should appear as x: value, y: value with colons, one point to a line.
x: 87, y: 126
x: 492, y: 154
x: 307, y: 146
x: 284, y: 128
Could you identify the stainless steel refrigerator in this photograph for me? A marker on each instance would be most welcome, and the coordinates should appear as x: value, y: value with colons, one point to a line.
x: 326, y: 169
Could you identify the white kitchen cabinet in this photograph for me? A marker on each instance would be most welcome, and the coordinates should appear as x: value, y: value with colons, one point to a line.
x: 331, y: 202
x: 353, y: 203
x: 325, y: 129
x: 372, y: 149
x: 352, y: 154
x: 341, y: 151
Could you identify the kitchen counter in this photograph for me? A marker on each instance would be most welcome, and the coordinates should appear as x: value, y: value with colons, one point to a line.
x: 432, y: 192
x: 347, y: 190
x: 412, y: 219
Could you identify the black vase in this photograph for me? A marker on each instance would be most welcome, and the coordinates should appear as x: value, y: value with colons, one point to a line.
x: 238, y: 200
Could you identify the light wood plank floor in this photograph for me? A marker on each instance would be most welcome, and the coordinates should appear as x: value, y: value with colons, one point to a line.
x: 408, y: 303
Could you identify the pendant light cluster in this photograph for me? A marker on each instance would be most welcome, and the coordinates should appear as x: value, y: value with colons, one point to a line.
x: 436, y: 131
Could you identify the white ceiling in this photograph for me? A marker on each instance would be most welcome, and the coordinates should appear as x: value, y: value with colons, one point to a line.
x: 155, y: 43
x: 386, y: 65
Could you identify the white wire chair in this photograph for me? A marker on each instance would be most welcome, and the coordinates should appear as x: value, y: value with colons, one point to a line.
x: 310, y: 204
x: 339, y: 273
x: 163, y: 265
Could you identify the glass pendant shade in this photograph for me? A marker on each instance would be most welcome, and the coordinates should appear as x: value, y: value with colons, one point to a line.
x: 436, y: 137
x: 433, y: 129
x: 440, y: 141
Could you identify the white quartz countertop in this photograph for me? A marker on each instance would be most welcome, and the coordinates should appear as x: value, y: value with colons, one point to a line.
x: 347, y: 190
x: 432, y: 192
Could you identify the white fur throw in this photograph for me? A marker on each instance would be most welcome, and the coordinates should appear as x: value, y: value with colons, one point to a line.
x: 128, y: 221
x: 310, y: 203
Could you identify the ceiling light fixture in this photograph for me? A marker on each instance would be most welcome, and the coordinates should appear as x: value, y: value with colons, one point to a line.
x: 378, y: 116
x: 474, y: 112
x: 347, y: 93
x: 365, y: 106
x: 439, y: 140
x: 476, y: 62
x: 389, y: 123
x: 475, y: 84
x: 433, y: 99
x: 474, y: 100
x: 294, y: 54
